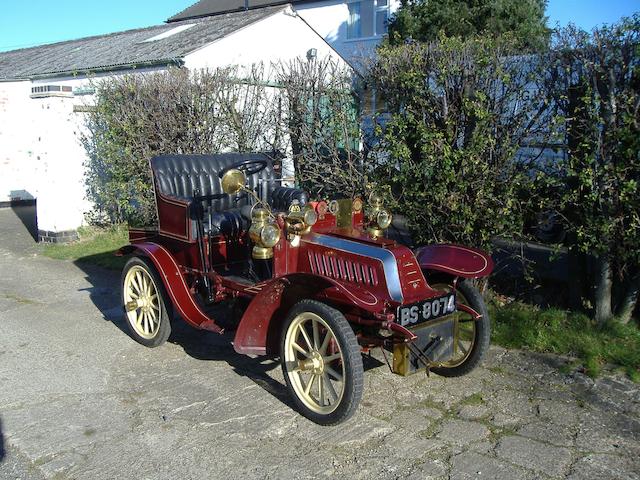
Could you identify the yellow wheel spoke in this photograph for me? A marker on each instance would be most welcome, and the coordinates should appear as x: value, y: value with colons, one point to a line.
x: 320, y: 391
x: 333, y: 373
x: 307, y: 389
x: 316, y: 334
x: 298, y: 348
x: 306, y: 337
x: 138, y: 282
x: 329, y: 385
x: 145, y: 323
x: 331, y: 358
x: 325, y: 343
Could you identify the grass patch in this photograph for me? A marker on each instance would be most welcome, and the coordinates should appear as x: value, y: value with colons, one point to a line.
x: 518, y: 325
x: 95, y: 246
x: 475, y: 399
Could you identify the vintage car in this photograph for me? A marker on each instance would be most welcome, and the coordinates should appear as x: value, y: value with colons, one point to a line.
x: 316, y: 281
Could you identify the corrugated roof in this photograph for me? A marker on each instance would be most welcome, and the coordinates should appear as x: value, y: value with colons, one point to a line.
x: 124, y: 49
x: 205, y: 8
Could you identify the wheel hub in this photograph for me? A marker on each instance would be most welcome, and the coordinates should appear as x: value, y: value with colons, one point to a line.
x: 314, y: 364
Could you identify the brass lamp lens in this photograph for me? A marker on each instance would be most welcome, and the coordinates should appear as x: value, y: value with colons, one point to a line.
x: 383, y: 219
x: 233, y: 181
x: 310, y: 216
x: 270, y: 235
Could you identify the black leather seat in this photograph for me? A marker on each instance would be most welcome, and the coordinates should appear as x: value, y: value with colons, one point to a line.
x: 282, y: 197
x: 181, y: 176
x: 230, y: 223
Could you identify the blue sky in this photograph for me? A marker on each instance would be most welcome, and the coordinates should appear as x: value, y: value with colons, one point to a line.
x: 25, y: 23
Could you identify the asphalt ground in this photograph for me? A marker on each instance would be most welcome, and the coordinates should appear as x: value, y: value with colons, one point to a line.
x: 79, y: 399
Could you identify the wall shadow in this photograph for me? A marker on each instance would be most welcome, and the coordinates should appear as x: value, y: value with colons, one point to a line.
x: 2, y: 448
x: 26, y: 211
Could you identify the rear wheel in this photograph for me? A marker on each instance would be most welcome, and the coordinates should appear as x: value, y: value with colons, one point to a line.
x: 471, y: 337
x: 321, y: 362
x: 144, y: 301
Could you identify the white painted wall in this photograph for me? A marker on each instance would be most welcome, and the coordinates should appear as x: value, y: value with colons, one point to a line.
x: 17, y: 157
x: 41, y: 155
x: 330, y: 19
x: 278, y: 38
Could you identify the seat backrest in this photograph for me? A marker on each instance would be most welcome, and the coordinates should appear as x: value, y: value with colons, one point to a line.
x: 180, y: 175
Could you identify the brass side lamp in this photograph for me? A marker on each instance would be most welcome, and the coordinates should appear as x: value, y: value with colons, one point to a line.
x: 378, y: 218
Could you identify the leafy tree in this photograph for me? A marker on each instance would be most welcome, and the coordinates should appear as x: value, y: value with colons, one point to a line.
x: 322, y: 125
x: 424, y: 20
x: 593, y: 89
x: 459, y: 110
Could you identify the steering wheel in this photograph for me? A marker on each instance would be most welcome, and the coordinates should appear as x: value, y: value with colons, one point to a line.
x: 249, y: 167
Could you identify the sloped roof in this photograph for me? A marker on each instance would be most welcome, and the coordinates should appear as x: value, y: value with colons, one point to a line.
x: 205, y: 8
x: 121, y: 50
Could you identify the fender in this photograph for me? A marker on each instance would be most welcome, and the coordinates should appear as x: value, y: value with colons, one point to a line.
x: 258, y: 332
x: 174, y: 284
x: 455, y: 259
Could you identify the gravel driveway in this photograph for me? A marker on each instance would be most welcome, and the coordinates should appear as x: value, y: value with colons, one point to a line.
x: 79, y: 399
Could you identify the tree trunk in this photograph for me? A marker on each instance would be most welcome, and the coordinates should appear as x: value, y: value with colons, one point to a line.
x: 603, y: 291
x: 628, y: 303
x: 577, y: 273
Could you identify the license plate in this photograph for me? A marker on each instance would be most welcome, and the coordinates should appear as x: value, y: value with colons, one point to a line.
x: 425, y: 310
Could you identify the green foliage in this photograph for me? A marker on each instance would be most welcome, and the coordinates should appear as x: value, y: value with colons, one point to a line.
x: 95, y: 246
x: 592, y: 84
x: 518, y: 325
x: 458, y: 112
x: 425, y: 20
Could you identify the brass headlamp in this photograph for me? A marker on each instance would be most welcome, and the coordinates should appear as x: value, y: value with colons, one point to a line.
x: 264, y: 233
x: 378, y: 218
x: 299, y: 220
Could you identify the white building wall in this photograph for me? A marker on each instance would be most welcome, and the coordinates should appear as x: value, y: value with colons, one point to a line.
x: 18, y: 160
x: 278, y: 38
x: 330, y: 18
x: 41, y: 154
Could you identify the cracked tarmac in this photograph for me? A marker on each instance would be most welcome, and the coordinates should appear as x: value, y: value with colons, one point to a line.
x: 80, y: 400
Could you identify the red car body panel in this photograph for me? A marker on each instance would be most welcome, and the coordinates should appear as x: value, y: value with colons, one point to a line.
x: 456, y: 260
x: 175, y: 284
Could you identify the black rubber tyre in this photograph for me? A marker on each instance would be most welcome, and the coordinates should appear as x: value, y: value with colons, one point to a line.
x: 320, y: 355
x: 481, y: 335
x: 149, y: 322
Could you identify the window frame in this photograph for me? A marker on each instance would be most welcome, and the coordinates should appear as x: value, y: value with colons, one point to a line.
x: 376, y: 10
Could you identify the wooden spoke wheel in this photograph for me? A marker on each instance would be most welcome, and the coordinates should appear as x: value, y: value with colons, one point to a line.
x: 143, y: 298
x: 471, y: 336
x: 321, y: 362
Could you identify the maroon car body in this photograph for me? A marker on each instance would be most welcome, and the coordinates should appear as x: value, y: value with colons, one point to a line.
x: 201, y: 252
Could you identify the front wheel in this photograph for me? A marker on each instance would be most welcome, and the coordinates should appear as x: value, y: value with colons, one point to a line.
x: 321, y: 362
x: 471, y: 337
x: 144, y: 300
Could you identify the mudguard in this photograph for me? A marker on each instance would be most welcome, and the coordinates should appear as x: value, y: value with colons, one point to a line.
x: 455, y: 259
x: 259, y: 330
x: 174, y: 284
